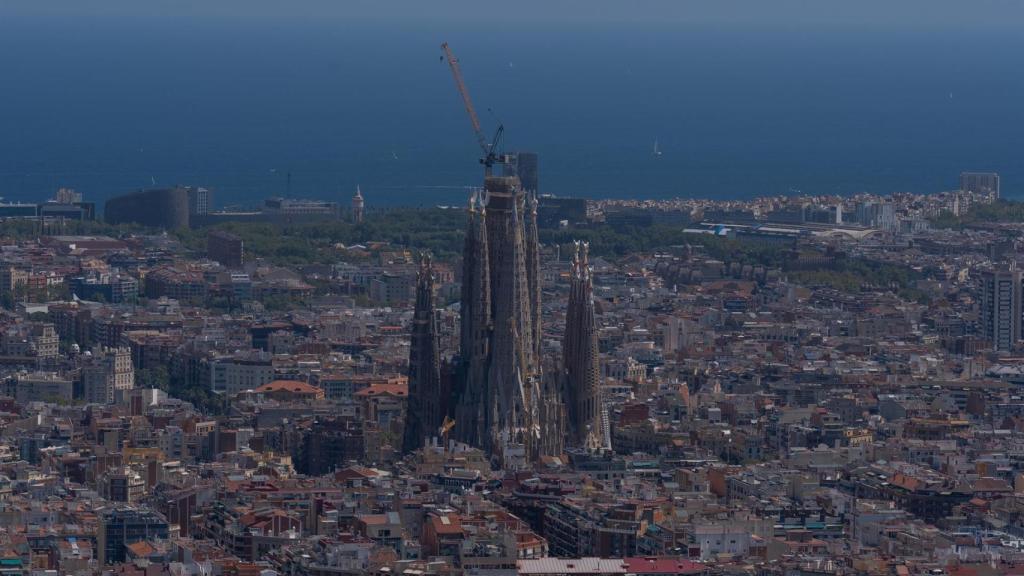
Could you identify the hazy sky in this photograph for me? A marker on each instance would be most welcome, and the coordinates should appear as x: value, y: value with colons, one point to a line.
x: 910, y: 14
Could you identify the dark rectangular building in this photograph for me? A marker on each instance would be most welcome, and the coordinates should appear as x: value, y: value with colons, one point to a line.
x: 123, y: 526
x: 980, y: 183
x: 225, y: 248
x: 552, y: 210
x: 523, y: 165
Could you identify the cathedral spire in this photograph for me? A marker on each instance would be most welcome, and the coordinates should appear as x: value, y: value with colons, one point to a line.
x: 532, y: 239
x: 581, y: 368
x: 423, y: 414
x: 500, y: 406
x: 471, y: 413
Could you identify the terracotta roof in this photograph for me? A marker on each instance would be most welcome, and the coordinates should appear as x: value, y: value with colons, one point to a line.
x: 382, y: 389
x: 141, y: 549
x: 293, y: 386
x: 447, y: 524
x: 992, y: 485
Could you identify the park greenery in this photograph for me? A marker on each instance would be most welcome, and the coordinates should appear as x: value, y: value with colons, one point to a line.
x: 440, y: 231
x: 998, y: 212
x: 177, y: 386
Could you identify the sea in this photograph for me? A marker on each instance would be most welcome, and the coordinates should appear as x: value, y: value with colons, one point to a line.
x: 260, y: 108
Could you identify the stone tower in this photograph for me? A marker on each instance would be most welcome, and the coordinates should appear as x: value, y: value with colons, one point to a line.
x: 423, y: 415
x: 357, y: 206
x: 533, y: 271
x: 500, y: 394
x: 474, y: 328
x: 581, y: 369
x: 512, y: 372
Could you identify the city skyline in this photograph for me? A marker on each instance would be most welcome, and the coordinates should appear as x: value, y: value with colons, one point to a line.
x: 559, y: 288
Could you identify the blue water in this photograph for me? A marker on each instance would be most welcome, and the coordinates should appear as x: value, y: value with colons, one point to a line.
x: 112, y: 105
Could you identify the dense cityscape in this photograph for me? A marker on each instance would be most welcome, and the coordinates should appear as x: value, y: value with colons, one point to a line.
x: 738, y: 292
x: 525, y: 385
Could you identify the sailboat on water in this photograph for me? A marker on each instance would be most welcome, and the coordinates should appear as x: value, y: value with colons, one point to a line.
x: 657, y: 151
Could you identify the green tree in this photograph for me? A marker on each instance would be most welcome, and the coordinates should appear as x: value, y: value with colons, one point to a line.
x: 156, y: 377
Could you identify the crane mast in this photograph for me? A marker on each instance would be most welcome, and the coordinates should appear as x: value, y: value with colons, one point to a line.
x: 453, y: 63
x: 489, y: 150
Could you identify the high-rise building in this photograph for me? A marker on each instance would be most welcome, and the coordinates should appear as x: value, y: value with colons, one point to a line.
x: 984, y: 183
x: 877, y: 215
x: 159, y: 208
x: 357, y: 207
x: 524, y: 166
x: 1000, y: 320
x: 226, y: 248
x: 120, y: 527
x: 198, y: 201
x: 423, y: 414
x: 581, y: 363
x: 500, y: 394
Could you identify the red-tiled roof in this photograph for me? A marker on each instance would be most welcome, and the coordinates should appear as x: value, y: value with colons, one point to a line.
x: 293, y: 386
x: 141, y: 549
x: 382, y: 389
x: 447, y: 524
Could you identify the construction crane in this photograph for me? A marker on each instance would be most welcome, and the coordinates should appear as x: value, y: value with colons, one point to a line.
x: 491, y: 156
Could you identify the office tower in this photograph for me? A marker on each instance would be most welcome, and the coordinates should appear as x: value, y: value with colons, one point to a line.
x: 985, y: 183
x: 159, y: 208
x: 877, y: 215
x: 225, y: 248
x: 423, y: 414
x: 581, y: 368
x: 1000, y: 320
x: 524, y: 166
x: 357, y: 207
x: 123, y: 526
x: 501, y: 368
x: 198, y: 201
